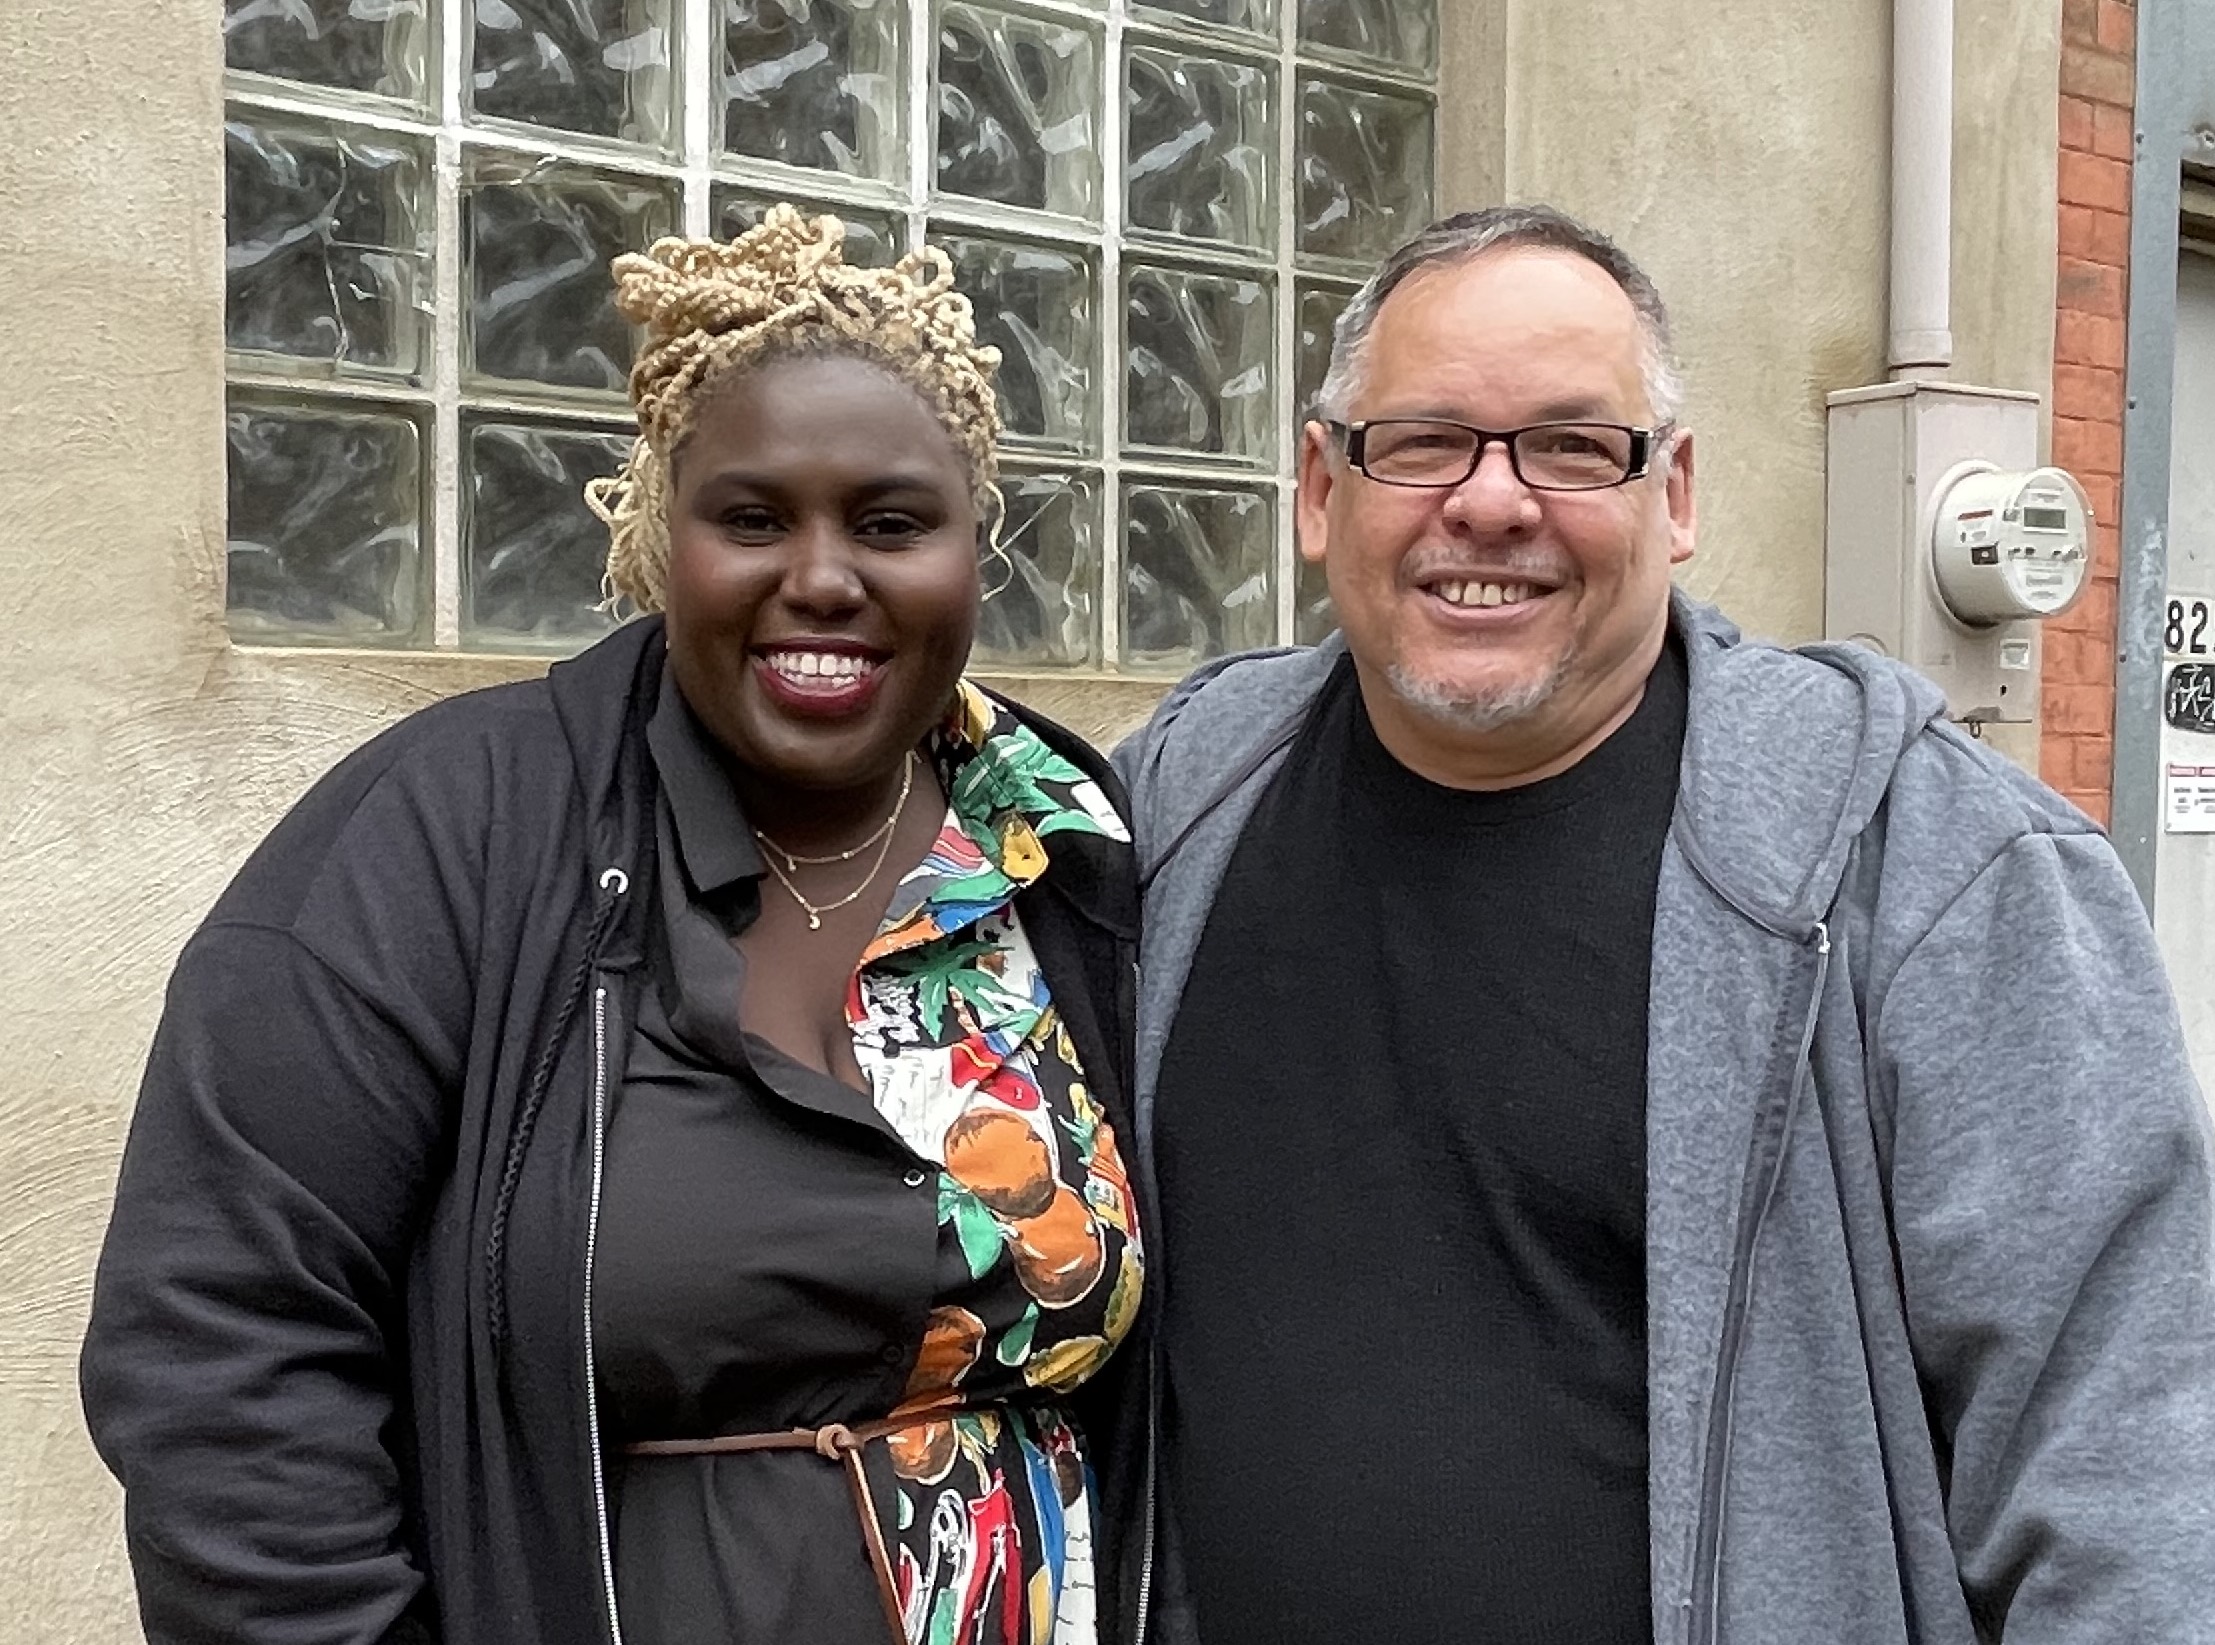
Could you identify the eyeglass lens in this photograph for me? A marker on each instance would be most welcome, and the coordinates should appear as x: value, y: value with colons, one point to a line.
x: 1561, y: 456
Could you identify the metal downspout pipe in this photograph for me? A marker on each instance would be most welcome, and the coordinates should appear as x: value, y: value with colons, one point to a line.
x: 1921, y: 341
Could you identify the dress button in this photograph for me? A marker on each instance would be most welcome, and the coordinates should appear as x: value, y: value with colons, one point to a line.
x: 914, y: 1179
x: 893, y: 1354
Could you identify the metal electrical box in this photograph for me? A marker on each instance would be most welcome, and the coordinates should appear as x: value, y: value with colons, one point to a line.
x: 1921, y: 472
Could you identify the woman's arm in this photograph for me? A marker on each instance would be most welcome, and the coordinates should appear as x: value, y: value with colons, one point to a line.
x: 244, y: 1365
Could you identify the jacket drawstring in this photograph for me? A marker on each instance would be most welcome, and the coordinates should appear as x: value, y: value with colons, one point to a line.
x: 613, y: 883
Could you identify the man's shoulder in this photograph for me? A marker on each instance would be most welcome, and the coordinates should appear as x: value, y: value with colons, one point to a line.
x: 1832, y: 706
x: 1217, y: 733
x: 1794, y: 751
x: 1247, y: 687
x: 1215, y: 717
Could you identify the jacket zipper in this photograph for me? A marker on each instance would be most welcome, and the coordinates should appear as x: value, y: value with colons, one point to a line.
x: 1707, y: 1585
x: 592, y: 1241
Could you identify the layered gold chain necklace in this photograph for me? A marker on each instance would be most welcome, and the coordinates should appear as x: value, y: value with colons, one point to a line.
x: 880, y: 837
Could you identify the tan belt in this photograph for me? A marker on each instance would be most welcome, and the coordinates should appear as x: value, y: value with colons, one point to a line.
x: 835, y: 1443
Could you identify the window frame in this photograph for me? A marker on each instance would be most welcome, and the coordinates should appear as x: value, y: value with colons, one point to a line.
x: 444, y: 404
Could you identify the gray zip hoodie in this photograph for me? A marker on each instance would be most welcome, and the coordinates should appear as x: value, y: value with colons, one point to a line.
x: 1931, y: 1294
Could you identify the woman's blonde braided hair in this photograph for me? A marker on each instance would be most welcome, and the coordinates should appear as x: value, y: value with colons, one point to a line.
x: 782, y: 288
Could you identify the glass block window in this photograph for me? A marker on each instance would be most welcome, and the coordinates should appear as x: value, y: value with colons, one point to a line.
x: 1158, y: 209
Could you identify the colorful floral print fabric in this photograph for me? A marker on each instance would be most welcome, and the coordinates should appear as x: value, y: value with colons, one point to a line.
x: 956, y: 1030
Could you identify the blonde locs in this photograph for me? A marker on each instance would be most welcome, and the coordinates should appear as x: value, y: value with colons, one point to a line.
x: 782, y: 288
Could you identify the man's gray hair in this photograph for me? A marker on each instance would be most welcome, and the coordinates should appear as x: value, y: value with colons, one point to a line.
x: 1469, y: 235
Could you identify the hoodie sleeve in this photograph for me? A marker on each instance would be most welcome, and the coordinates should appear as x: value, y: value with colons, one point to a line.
x: 243, y: 1371
x: 2051, y: 1188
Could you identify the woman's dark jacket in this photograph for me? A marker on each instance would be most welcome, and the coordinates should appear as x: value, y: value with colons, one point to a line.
x: 338, y: 1348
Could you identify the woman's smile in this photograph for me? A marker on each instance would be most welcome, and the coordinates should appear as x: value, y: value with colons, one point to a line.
x: 820, y: 680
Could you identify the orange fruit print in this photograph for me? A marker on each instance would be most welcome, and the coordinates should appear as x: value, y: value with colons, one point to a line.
x: 1059, y: 1252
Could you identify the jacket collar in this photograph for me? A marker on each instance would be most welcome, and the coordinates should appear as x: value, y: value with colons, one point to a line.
x: 603, y: 699
x: 714, y: 842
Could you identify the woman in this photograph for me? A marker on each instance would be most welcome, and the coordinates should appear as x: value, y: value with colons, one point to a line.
x: 634, y: 1155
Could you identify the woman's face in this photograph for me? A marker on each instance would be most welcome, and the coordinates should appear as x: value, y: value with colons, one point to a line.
x: 823, y: 585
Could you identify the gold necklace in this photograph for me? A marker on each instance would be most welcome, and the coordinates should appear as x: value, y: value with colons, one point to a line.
x: 793, y: 859
x: 881, y: 836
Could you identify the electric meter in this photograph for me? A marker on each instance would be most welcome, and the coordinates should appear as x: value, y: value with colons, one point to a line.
x: 2009, y: 544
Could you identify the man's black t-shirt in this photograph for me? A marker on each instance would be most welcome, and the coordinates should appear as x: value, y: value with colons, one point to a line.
x: 1401, y: 1132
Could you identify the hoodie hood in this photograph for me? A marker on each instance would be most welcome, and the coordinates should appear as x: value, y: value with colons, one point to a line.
x: 1785, y: 764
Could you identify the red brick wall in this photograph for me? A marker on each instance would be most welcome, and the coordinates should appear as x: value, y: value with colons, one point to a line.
x: 2077, y: 737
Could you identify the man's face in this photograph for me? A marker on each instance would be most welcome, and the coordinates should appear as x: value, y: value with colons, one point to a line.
x: 1580, y: 579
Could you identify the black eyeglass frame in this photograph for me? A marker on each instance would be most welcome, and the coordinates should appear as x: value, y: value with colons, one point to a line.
x: 1353, y: 439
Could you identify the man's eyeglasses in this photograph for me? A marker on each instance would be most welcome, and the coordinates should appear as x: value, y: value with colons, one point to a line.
x: 1545, y: 456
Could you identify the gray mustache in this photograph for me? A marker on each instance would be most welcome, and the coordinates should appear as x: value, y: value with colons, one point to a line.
x: 1513, y: 568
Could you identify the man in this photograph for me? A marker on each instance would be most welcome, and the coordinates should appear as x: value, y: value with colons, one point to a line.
x: 1659, y: 1137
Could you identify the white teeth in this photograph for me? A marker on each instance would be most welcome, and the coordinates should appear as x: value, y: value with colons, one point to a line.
x: 820, y: 665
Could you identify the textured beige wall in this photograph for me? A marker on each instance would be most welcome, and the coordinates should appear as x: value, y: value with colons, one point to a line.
x: 140, y: 757
x: 107, y: 510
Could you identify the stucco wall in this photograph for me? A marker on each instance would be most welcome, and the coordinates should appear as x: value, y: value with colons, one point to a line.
x: 140, y: 757
x: 109, y: 318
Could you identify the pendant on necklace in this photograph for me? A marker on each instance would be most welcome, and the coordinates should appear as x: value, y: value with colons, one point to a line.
x: 815, y: 922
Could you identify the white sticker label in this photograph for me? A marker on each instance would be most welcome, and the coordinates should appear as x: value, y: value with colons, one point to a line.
x: 2188, y: 799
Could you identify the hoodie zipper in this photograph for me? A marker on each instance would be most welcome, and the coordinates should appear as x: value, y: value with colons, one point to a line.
x: 1706, y: 1597
x: 1146, y: 1540
x: 592, y: 1242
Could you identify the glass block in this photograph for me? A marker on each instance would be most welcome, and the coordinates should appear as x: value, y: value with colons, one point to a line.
x: 1313, y: 615
x: 325, y: 523
x: 1253, y: 16
x: 539, y: 238
x: 1400, y: 34
x: 1041, y: 604
x: 377, y: 46
x: 1018, y: 120
x: 1197, y: 573
x: 597, y: 66
x: 814, y: 83
x: 1320, y: 307
x: 1201, y: 144
x: 1035, y: 304
x: 327, y: 252
x: 874, y: 239
x: 1198, y: 348
x: 532, y: 552
x: 1365, y: 170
